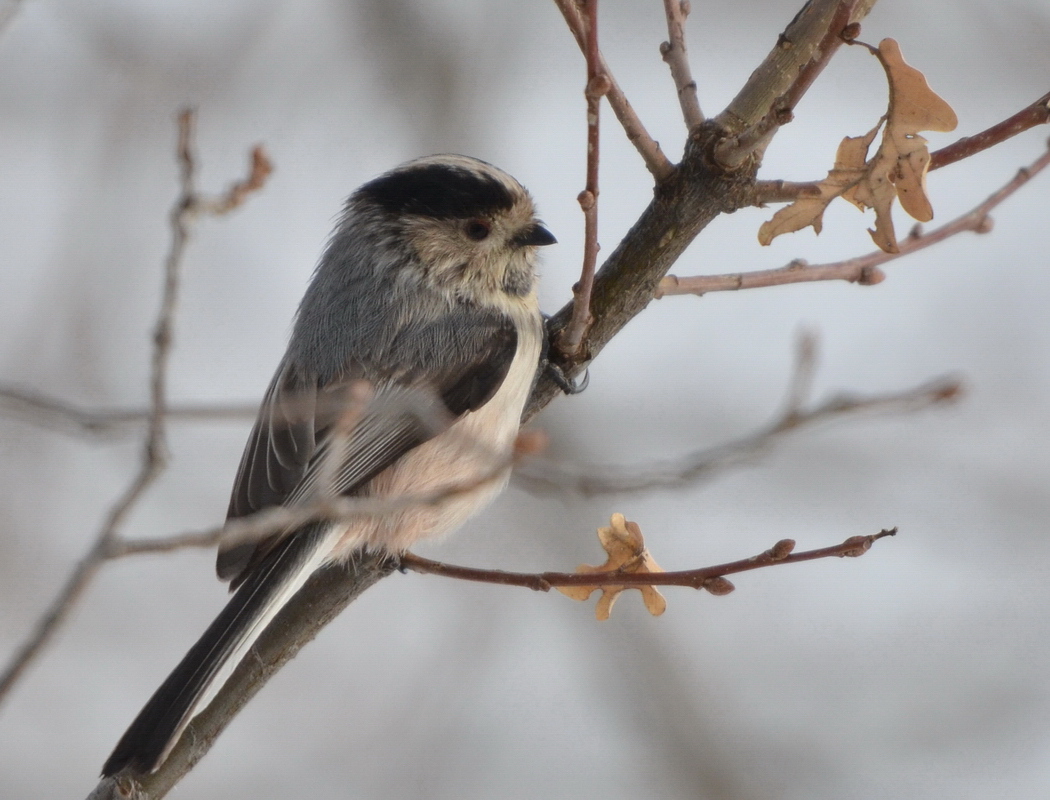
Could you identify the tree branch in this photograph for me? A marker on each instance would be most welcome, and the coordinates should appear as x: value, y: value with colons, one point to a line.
x: 1038, y: 113
x: 863, y: 270
x: 770, y: 95
x: 546, y: 478
x: 40, y: 409
x: 648, y: 148
x: 333, y: 588
x: 677, y: 58
x: 685, y: 202
x: 702, y: 578
x: 570, y: 338
x: 154, y: 454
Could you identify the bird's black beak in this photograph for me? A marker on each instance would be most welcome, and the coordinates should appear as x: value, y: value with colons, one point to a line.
x: 535, y: 236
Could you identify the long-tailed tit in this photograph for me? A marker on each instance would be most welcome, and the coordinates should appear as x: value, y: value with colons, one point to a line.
x: 426, y: 295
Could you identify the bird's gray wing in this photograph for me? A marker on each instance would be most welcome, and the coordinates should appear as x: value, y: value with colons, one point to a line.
x: 431, y: 376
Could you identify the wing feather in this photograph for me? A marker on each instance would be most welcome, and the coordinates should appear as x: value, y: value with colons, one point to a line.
x: 432, y: 376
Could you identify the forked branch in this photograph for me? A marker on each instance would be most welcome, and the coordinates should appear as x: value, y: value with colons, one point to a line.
x: 648, y: 148
x: 863, y: 270
x: 107, y: 542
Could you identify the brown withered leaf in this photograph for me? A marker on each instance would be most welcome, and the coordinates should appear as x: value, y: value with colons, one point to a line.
x: 623, y: 542
x: 850, y: 163
x: 896, y: 171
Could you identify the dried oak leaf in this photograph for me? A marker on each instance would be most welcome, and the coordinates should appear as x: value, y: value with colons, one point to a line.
x: 898, y: 168
x: 849, y: 169
x: 623, y: 542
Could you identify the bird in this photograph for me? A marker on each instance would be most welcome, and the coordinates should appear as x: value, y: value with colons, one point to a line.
x: 412, y: 354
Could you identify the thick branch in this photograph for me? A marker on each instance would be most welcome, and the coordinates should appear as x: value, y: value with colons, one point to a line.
x: 770, y: 95
x: 687, y: 200
x: 296, y: 625
x: 627, y: 281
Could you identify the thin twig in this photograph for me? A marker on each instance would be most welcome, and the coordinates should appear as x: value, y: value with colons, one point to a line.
x: 803, y: 373
x: 677, y: 58
x: 164, y: 544
x: 259, y: 170
x: 154, y: 453
x: 862, y: 269
x: 36, y: 408
x: 700, y: 578
x: 322, y: 506
x: 1038, y: 113
x: 546, y: 478
x: 107, y: 543
x: 649, y: 149
x: 570, y: 338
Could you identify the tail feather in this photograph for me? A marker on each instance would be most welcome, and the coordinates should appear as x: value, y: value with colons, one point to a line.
x: 195, y: 682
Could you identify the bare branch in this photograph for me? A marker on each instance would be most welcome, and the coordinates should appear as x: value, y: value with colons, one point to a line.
x: 770, y: 95
x: 677, y: 58
x: 36, y: 408
x: 689, y: 198
x: 547, y: 478
x: 1038, y: 113
x: 295, y: 625
x: 164, y: 544
x: 862, y: 269
x: 322, y: 506
x: 154, y: 456
x: 649, y: 149
x: 259, y: 170
x: 570, y: 338
x: 800, y: 388
x: 702, y: 578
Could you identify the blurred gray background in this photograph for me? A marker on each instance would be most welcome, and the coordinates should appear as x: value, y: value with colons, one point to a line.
x: 918, y: 671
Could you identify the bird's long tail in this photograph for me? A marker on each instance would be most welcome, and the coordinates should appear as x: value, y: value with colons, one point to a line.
x: 195, y: 682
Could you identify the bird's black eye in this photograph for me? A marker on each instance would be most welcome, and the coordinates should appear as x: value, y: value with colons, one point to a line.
x: 478, y: 229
